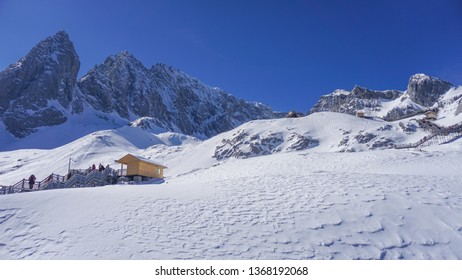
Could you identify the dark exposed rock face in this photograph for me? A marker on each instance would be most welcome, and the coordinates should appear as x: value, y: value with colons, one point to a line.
x: 422, y: 91
x: 402, y: 112
x: 364, y: 93
x: 38, y: 89
x: 42, y: 90
x: 123, y: 85
x: 351, y: 102
x: 175, y: 100
x: 363, y: 138
x: 300, y: 142
x: 382, y: 143
x: 426, y: 90
x: 246, y: 146
x: 459, y: 108
x: 243, y: 144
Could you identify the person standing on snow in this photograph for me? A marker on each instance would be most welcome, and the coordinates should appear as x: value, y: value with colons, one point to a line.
x: 31, y: 181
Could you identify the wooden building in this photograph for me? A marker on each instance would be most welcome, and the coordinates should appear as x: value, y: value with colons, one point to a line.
x: 292, y: 114
x: 431, y: 115
x: 360, y: 114
x: 138, y: 166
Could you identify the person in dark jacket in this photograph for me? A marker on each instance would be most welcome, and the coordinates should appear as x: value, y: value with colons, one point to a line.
x: 31, y: 181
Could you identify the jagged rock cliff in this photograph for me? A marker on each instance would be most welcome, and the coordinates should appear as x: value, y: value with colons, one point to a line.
x: 426, y: 90
x: 38, y: 89
x: 169, y: 97
x: 349, y: 102
x: 422, y: 92
x: 42, y: 89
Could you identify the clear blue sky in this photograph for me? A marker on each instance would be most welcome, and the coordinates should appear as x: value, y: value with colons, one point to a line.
x: 284, y: 53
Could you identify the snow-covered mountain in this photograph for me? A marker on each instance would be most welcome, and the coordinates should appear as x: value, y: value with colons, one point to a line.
x: 268, y: 189
x: 422, y: 93
x: 281, y: 193
x: 326, y: 186
x: 170, y: 98
x: 324, y: 132
x: 318, y: 132
x: 42, y: 90
x: 38, y: 90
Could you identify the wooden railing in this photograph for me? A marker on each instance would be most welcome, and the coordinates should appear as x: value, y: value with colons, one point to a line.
x: 439, y: 135
x: 75, y: 179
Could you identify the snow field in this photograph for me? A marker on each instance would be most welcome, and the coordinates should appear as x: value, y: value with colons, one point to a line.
x: 315, y: 203
x: 272, y: 207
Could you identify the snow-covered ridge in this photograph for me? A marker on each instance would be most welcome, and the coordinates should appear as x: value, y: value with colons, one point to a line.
x: 320, y: 132
x: 296, y: 205
x: 121, y: 86
x: 279, y: 189
x: 422, y: 93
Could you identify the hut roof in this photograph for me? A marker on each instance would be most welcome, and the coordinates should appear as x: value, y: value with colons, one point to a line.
x: 292, y: 114
x: 130, y: 158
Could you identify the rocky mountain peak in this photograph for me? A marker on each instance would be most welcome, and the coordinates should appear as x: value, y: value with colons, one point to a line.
x: 38, y: 89
x: 166, y: 72
x: 365, y: 93
x: 41, y: 90
x: 116, y: 84
x: 53, y: 50
x: 125, y: 57
x: 426, y: 90
x: 123, y: 63
x: 422, y: 92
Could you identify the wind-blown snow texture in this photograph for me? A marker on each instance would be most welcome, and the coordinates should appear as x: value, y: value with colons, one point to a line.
x: 289, y: 204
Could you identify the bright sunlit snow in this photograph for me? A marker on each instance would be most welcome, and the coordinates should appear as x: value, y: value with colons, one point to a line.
x: 313, y: 203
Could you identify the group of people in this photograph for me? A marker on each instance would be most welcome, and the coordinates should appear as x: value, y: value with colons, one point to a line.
x: 32, y: 178
x: 101, y: 168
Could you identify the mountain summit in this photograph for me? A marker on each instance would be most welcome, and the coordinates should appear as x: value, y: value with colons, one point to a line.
x: 38, y: 89
x: 170, y: 98
x: 422, y: 92
x: 426, y: 90
x: 42, y: 90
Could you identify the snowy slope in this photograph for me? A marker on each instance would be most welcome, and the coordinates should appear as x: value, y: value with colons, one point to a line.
x: 320, y: 132
x: 451, y: 108
x: 103, y: 146
x: 297, y: 205
x: 286, y: 191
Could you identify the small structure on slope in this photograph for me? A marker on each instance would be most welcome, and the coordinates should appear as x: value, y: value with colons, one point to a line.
x: 360, y: 114
x: 139, y: 168
x: 292, y: 114
x: 431, y: 115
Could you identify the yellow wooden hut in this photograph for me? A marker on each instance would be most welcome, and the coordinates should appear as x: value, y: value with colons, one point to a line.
x: 138, y: 166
